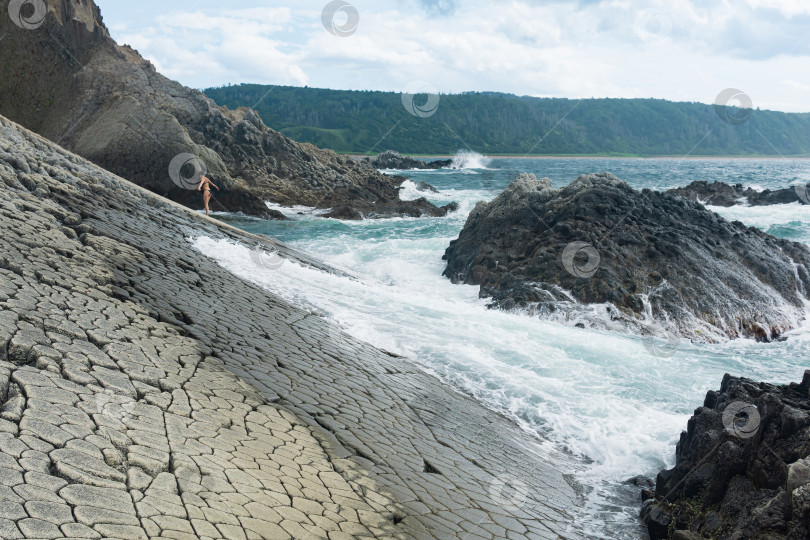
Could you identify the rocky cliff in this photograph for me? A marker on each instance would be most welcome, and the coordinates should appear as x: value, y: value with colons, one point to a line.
x: 647, y: 260
x: 742, y: 467
x: 62, y: 76
x: 146, y: 392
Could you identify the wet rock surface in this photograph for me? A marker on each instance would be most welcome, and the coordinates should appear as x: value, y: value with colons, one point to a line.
x: 394, y: 160
x: 70, y: 82
x: 145, y: 392
x: 722, y: 194
x: 647, y: 260
x: 742, y: 467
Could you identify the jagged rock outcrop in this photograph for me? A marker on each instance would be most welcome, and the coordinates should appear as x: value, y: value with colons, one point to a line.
x: 651, y: 260
x: 742, y: 467
x: 147, y: 392
x: 394, y: 160
x: 722, y: 194
x: 69, y: 81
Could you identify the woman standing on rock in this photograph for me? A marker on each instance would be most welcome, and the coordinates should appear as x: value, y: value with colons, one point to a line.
x: 205, y: 186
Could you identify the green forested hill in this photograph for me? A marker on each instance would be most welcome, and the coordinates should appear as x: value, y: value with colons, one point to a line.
x: 493, y: 123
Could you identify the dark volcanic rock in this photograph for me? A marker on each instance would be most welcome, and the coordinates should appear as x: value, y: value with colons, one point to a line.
x: 598, y: 241
x: 452, y: 207
x: 70, y: 82
x: 424, y: 186
x: 742, y: 467
x: 394, y: 160
x: 418, y: 208
x: 722, y: 194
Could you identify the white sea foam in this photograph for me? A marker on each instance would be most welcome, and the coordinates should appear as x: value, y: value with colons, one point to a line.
x: 599, y: 394
x: 409, y: 191
x: 294, y: 212
x: 595, y: 394
x: 468, y: 159
x: 765, y: 217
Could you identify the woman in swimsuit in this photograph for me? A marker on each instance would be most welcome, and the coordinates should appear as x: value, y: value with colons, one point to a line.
x: 205, y: 186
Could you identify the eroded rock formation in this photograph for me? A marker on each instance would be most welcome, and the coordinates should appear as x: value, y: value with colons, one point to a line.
x: 649, y: 259
x: 742, y: 469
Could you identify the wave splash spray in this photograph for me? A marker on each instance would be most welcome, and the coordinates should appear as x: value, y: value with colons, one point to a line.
x: 469, y: 159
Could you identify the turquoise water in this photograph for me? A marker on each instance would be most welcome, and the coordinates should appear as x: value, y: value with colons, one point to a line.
x: 601, y: 395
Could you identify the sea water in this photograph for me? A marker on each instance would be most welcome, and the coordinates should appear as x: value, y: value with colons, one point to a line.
x: 603, y: 396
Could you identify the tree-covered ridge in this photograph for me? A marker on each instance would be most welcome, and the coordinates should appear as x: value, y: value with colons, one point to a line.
x: 494, y: 123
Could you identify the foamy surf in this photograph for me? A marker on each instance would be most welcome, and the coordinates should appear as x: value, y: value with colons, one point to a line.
x: 602, y: 395
x: 586, y: 398
x: 468, y: 159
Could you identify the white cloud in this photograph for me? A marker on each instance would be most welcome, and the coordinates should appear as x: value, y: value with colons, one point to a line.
x: 805, y: 87
x: 673, y: 49
x: 787, y: 7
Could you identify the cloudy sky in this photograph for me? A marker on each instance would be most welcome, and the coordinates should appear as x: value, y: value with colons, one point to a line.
x: 684, y: 50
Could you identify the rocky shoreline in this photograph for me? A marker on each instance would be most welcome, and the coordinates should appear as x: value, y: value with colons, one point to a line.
x: 69, y: 81
x: 742, y: 467
x: 598, y: 253
x: 146, y: 392
x: 722, y: 194
x: 394, y: 160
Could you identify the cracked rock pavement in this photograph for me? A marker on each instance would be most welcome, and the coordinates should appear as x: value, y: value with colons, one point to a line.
x: 147, y: 393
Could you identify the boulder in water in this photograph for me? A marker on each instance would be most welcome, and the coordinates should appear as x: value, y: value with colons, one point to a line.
x: 424, y: 186
x: 649, y: 260
x: 394, y: 160
x: 418, y: 208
